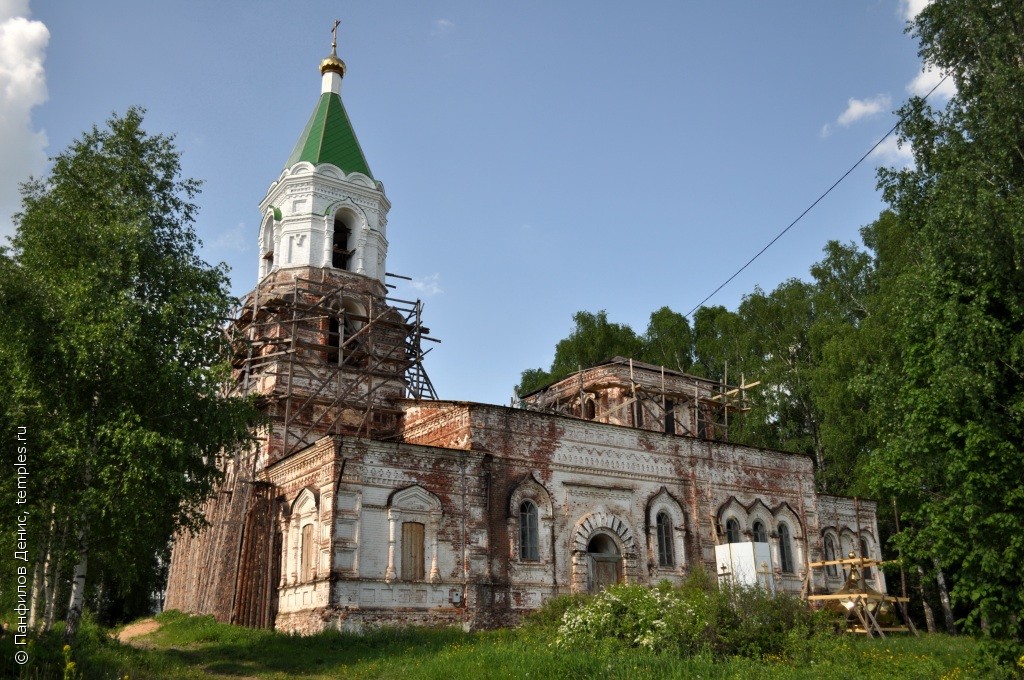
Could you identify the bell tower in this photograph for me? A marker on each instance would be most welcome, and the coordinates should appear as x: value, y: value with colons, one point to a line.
x: 319, y: 344
x: 319, y: 340
x: 326, y: 209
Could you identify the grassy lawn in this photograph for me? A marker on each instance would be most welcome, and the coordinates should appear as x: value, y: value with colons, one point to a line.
x: 195, y: 647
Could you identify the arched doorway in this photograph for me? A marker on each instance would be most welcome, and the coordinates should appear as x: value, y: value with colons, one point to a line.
x: 605, y: 562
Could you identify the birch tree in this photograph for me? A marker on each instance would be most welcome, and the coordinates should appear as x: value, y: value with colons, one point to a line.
x: 125, y: 361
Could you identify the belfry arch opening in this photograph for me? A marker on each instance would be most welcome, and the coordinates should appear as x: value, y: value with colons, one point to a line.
x: 342, y: 240
x: 267, y: 247
x: 342, y: 325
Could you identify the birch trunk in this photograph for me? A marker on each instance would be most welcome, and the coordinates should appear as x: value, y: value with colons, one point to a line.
x: 947, y: 609
x: 37, y: 589
x: 929, y: 613
x: 52, y: 586
x: 77, y: 599
x: 36, y: 616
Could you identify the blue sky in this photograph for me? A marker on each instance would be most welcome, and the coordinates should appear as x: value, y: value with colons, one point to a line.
x: 541, y: 158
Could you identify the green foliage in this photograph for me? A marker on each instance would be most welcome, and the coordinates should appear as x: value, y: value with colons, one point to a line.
x: 901, y: 368
x: 595, y: 339
x: 531, y: 380
x: 113, y: 347
x: 717, y: 338
x: 668, y: 341
x: 592, y: 340
x: 696, y: 619
x: 949, y: 394
x: 549, y: 617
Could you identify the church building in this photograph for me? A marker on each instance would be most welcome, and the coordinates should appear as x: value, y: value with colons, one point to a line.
x: 365, y: 500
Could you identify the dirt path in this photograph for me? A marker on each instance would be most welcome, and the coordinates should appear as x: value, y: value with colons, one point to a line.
x: 137, y: 629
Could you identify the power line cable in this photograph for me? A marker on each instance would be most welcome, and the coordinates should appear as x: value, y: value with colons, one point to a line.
x: 811, y: 206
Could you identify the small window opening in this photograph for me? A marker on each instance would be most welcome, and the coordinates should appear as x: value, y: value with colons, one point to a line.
x: 638, y: 413
x: 342, y: 253
x: 760, y: 532
x: 666, y: 556
x: 334, y: 340
x: 590, y: 410
x: 528, y: 532
x: 670, y: 417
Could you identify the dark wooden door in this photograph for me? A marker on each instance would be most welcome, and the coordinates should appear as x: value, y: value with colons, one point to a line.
x: 606, y: 570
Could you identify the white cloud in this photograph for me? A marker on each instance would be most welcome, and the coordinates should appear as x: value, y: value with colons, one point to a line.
x: 889, y: 152
x: 858, y: 109
x: 911, y: 8
x: 428, y: 285
x: 929, y: 78
x: 441, y: 27
x: 22, y: 88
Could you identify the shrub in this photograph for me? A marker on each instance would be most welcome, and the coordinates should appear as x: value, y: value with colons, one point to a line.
x: 697, y: 619
x: 549, y: 617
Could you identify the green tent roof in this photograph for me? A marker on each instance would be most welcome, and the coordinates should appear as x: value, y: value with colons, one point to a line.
x: 329, y: 138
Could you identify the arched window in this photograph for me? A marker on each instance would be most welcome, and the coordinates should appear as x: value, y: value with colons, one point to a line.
x: 307, y: 568
x: 590, y: 410
x: 528, y: 532
x: 866, y: 555
x: 785, y: 549
x: 830, y: 554
x: 732, y: 530
x: 666, y: 555
x: 342, y: 251
x: 760, y: 533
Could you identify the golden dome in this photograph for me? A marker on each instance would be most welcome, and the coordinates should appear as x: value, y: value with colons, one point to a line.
x: 332, y: 63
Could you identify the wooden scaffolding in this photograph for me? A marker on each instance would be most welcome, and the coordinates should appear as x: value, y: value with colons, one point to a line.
x: 327, y: 357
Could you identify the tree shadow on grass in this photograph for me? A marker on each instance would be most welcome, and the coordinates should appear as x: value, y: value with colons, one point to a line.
x: 232, y: 651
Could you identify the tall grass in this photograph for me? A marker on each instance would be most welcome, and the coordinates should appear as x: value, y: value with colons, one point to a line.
x: 198, y: 647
